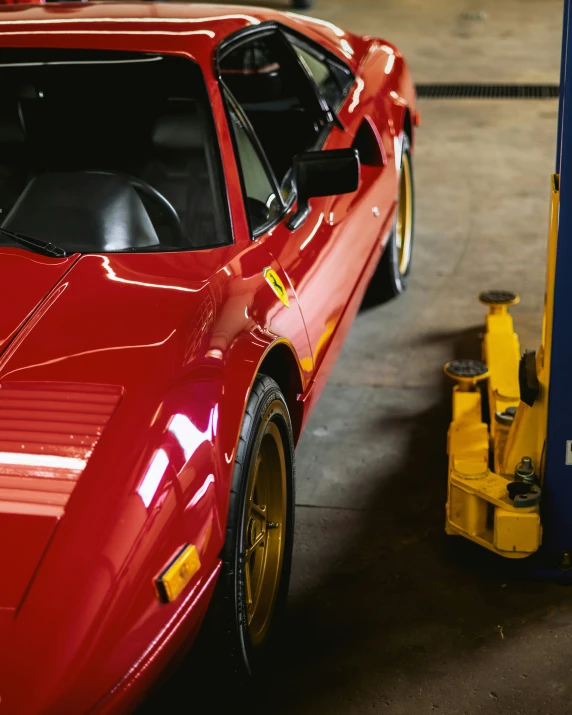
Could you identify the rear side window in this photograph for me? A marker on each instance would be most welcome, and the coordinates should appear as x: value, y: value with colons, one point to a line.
x: 332, y: 78
x: 135, y: 127
x: 271, y: 87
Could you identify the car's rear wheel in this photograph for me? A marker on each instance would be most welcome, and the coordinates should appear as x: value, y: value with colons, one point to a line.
x: 395, y: 265
x: 257, y: 554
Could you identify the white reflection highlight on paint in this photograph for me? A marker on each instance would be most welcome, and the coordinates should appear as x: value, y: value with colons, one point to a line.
x: 139, y: 20
x: 112, y: 275
x: 188, y: 436
x: 209, y: 33
x: 150, y: 482
x: 397, y: 144
x: 389, y: 64
x: 314, y: 232
x: 357, y: 93
x: 314, y: 20
x: 42, y: 460
x: 201, y: 491
x: 215, y: 420
x: 349, y: 50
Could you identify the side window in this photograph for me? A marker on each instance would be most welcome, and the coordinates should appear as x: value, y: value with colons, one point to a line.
x: 332, y: 78
x: 261, y: 202
x: 270, y: 85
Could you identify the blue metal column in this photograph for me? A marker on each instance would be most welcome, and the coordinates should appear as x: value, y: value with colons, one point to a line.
x: 565, y: 29
x: 557, y: 492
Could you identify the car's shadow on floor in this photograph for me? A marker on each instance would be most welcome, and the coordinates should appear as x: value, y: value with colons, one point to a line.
x: 400, y: 598
x: 373, y: 297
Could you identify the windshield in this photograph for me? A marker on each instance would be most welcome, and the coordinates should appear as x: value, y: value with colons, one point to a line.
x: 107, y: 151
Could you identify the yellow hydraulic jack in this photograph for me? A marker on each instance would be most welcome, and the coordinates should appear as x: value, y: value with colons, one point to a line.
x: 496, y: 466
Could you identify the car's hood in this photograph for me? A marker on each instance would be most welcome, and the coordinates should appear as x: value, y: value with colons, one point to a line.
x: 75, y: 334
x: 91, y: 317
x: 25, y: 280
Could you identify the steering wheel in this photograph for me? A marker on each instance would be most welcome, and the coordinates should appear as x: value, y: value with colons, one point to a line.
x: 151, y: 192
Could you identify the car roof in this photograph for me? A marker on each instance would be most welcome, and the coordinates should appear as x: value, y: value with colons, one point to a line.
x: 212, y: 21
x: 218, y: 19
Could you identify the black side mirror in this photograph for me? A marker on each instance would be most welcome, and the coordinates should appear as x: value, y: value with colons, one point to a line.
x: 323, y: 173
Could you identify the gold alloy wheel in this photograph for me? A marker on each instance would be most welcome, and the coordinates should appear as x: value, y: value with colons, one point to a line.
x: 264, y: 535
x: 404, y: 227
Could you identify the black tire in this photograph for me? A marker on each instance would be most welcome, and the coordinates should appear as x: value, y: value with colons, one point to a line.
x: 302, y: 4
x: 391, y: 277
x: 266, y: 410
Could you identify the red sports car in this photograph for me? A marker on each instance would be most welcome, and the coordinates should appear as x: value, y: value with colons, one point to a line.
x: 194, y: 199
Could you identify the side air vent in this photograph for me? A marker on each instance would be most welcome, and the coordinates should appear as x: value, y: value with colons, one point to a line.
x: 47, y: 433
x: 368, y: 148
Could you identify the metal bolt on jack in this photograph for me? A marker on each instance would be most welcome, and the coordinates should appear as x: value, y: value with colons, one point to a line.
x: 524, y: 492
x: 507, y: 417
x: 525, y: 470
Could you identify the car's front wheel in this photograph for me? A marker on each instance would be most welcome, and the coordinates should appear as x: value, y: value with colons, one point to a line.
x: 257, y: 554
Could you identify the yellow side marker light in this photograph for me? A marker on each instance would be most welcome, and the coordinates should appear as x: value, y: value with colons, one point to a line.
x: 171, y: 582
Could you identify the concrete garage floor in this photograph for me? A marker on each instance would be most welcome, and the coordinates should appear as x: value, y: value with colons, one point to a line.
x: 387, y: 614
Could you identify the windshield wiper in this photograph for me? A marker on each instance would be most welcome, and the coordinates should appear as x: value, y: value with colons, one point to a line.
x: 36, y: 244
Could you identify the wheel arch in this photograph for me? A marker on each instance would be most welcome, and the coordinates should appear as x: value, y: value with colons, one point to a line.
x: 280, y: 363
x: 407, y: 124
x: 400, y: 94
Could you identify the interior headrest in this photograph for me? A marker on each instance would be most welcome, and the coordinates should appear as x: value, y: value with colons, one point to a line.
x: 178, y: 127
x: 83, y: 211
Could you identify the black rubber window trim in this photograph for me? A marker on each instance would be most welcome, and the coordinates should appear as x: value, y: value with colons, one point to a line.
x: 328, y: 58
x: 230, y: 103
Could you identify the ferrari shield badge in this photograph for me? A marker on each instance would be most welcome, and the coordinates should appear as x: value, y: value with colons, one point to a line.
x: 276, y: 284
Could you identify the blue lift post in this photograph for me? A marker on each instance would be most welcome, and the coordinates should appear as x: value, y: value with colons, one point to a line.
x: 557, y: 491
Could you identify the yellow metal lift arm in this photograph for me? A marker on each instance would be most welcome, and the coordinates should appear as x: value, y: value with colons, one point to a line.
x: 496, y: 470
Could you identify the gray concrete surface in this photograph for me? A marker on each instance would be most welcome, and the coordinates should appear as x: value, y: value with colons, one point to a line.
x: 387, y: 614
